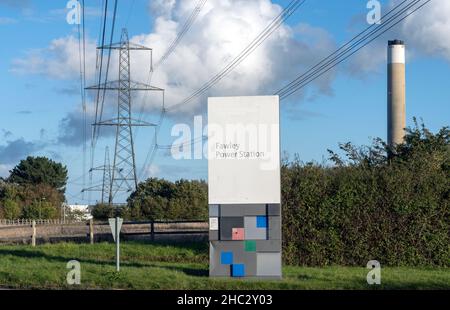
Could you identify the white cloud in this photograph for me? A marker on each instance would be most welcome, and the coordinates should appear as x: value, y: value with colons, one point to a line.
x: 60, y: 60
x: 7, y: 20
x: 71, y: 126
x: 15, y: 150
x: 425, y: 33
x: 4, y: 170
x: 152, y: 171
x: 222, y: 30
x: 163, y: 7
x: 15, y: 3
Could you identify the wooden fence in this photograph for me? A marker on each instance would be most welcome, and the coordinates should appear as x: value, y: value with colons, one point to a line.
x: 26, y: 222
x: 91, y: 231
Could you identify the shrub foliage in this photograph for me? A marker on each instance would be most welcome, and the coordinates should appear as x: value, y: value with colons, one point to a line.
x: 159, y: 199
x: 34, y: 189
x: 368, y: 205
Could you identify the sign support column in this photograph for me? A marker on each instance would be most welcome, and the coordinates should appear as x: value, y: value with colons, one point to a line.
x: 117, y: 244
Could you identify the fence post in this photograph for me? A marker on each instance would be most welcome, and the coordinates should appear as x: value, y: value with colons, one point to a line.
x: 152, y: 231
x: 91, y: 230
x: 33, y: 236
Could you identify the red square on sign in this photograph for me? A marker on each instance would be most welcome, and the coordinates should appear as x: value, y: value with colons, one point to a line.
x: 237, y: 234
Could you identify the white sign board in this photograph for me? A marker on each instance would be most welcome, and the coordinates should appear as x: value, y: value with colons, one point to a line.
x: 112, y: 224
x: 213, y: 223
x: 243, y: 150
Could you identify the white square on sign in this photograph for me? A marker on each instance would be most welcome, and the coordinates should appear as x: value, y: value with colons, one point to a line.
x: 213, y: 223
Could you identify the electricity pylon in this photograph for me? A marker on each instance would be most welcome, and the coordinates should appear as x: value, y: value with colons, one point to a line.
x: 105, y: 187
x: 124, y: 176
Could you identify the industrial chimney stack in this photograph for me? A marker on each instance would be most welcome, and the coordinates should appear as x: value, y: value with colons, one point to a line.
x: 396, y: 122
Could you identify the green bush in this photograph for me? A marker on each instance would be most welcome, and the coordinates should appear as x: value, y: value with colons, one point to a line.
x: 40, y: 210
x: 34, y: 189
x: 30, y: 201
x: 11, y: 209
x: 103, y: 211
x: 394, y: 209
x: 159, y: 199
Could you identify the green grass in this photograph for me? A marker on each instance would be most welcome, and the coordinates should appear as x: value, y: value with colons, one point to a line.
x: 182, y: 266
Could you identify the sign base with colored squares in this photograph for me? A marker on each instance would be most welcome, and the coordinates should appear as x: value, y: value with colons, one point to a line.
x: 248, y: 245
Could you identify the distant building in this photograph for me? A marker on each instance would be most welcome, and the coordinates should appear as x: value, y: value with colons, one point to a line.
x: 78, y: 212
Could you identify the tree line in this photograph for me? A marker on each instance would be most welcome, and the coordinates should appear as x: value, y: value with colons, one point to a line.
x: 373, y: 202
x: 160, y: 199
x: 33, y: 190
x: 365, y: 203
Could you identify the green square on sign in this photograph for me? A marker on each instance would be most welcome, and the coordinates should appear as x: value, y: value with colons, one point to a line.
x: 250, y: 245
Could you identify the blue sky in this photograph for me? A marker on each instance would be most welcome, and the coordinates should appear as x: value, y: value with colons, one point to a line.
x: 37, y: 93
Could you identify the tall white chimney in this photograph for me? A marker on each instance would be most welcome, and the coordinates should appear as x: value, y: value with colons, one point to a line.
x: 396, y: 106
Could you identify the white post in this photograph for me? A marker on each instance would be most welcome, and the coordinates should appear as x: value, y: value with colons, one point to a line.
x: 91, y: 230
x: 117, y: 245
x: 33, y: 236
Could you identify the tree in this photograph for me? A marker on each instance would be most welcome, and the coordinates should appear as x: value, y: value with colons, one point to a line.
x: 40, y: 209
x: 10, y: 203
x: 40, y: 170
x: 102, y: 211
x: 161, y: 199
x: 11, y: 209
x: 40, y: 201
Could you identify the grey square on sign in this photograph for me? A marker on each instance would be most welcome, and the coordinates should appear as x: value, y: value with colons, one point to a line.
x: 268, y: 245
x: 232, y: 210
x: 255, y: 209
x: 249, y: 260
x: 252, y: 232
x: 213, y: 210
x: 275, y: 227
x: 268, y: 264
x: 213, y: 235
x: 274, y: 209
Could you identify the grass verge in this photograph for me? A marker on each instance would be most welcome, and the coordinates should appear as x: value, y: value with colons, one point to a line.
x: 182, y: 266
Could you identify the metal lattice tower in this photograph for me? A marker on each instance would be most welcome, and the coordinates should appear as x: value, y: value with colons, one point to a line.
x: 105, y: 188
x: 106, y: 185
x: 123, y: 172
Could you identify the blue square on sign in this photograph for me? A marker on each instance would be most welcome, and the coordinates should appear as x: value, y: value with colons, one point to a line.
x: 261, y: 221
x: 226, y: 258
x: 237, y: 270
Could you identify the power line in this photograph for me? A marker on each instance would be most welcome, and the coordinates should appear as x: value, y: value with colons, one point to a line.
x: 185, y: 143
x: 270, y: 28
x: 274, y: 25
x: 349, y: 42
x: 84, y: 96
x: 187, y: 25
x: 105, y: 186
x: 123, y: 173
x: 108, y: 62
x: 154, y: 145
x: 82, y: 93
x: 293, y: 87
x: 98, y: 116
x: 73, y: 181
x: 100, y: 70
x: 184, y: 29
x: 320, y: 68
